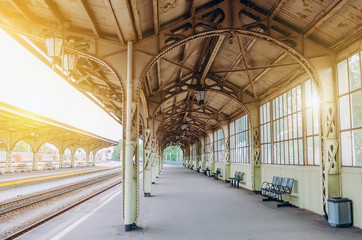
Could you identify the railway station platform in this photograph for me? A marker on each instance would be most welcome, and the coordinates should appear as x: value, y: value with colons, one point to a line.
x: 188, y: 205
x: 14, y: 185
x: 11, y: 177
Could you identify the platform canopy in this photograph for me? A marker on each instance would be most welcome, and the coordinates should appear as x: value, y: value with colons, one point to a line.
x: 17, y: 124
x: 197, y: 63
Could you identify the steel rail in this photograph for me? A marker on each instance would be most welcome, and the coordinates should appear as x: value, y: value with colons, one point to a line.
x: 44, y: 220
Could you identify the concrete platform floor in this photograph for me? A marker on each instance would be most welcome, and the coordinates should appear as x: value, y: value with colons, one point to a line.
x: 188, y: 205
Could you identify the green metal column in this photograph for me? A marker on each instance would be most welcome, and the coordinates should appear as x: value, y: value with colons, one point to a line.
x: 255, y: 143
x: 130, y: 183
x: 203, y: 157
x: 153, y: 164
x: 325, y: 82
x: 226, y: 130
x: 147, y: 164
x: 198, y: 155
x: 212, y: 152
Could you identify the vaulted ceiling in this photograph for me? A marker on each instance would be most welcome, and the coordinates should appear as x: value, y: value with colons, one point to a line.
x: 182, y: 46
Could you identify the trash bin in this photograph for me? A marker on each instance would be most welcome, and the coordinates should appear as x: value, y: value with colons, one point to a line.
x: 339, y: 212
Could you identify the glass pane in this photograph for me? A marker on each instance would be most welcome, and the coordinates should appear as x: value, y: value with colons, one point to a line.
x: 268, y: 112
x: 308, y: 93
x: 316, y: 150
x: 301, y: 160
x: 282, y: 153
x: 289, y: 102
x: 354, y: 72
x: 357, y: 147
x: 278, y: 153
x: 281, y: 106
x: 291, y: 152
x: 294, y: 100
x: 269, y: 153
x: 290, y: 127
x: 276, y: 108
x: 344, y: 113
x: 282, y: 129
x: 286, y: 128
x: 299, y: 98
x: 231, y: 126
x: 285, y: 103
x: 286, y: 148
x: 309, y: 119
x: 346, y: 148
x: 300, y: 125
x: 296, y: 153
x: 342, y: 77
x: 310, y: 150
x: 275, y: 152
x: 295, y: 126
x: 356, y: 109
x: 315, y: 120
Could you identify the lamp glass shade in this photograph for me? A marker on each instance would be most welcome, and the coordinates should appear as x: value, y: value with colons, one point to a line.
x: 69, y: 61
x: 200, y: 96
x: 54, y: 46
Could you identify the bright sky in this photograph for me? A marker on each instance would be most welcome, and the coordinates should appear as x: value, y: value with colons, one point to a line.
x: 28, y: 83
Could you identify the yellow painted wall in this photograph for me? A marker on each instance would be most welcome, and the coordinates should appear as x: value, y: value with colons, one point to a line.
x: 307, y: 189
x: 351, y: 182
x: 242, y: 167
x: 222, y: 166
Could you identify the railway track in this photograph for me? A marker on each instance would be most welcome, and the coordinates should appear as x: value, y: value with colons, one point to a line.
x: 9, y: 207
x: 18, y: 205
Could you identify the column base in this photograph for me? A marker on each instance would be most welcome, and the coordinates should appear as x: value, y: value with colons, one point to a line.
x: 130, y: 227
x: 146, y: 194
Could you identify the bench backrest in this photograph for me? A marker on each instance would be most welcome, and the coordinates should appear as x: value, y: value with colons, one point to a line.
x: 207, y: 168
x: 290, y: 184
x: 274, y: 181
x: 285, y: 183
x: 23, y: 165
x: 279, y: 181
x: 218, y: 170
x: 239, y: 175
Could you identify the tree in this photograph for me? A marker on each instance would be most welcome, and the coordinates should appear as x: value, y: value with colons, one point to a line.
x: 176, y: 154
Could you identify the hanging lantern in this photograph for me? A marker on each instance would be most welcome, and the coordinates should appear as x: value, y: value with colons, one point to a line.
x: 54, y: 47
x: 69, y: 62
x: 200, y: 96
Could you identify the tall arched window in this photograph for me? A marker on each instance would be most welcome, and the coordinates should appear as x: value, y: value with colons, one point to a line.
x: 219, y: 145
x: 194, y: 152
x: 239, y: 140
x: 207, y: 148
x: 350, y: 110
x: 290, y: 127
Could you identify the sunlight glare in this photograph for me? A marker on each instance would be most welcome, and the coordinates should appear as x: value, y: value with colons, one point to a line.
x: 28, y: 83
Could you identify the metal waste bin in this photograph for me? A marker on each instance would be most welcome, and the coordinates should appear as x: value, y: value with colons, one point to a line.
x: 339, y: 212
